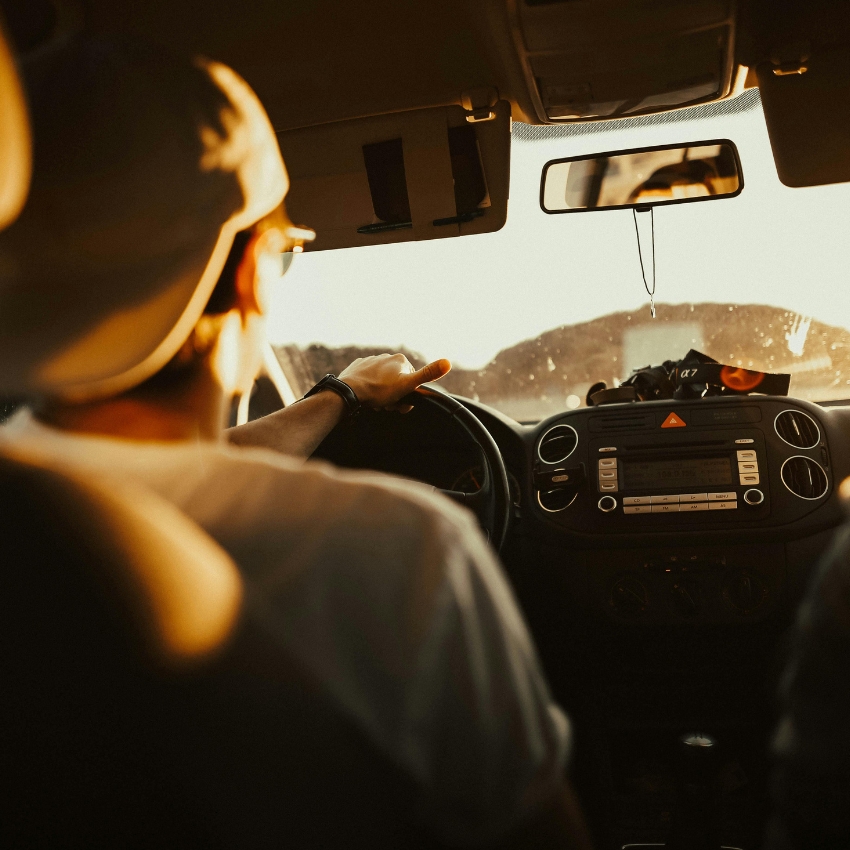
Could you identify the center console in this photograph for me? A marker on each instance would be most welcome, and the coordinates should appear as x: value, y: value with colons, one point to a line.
x: 682, y: 466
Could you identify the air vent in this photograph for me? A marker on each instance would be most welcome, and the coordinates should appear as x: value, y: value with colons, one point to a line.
x: 797, y: 429
x: 557, y: 444
x: 555, y: 500
x: 804, y: 478
x: 623, y: 422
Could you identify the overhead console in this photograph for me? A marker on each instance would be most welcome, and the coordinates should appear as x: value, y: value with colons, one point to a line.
x: 694, y: 466
x: 614, y: 58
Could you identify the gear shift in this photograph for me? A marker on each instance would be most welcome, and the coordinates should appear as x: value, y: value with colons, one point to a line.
x: 696, y: 818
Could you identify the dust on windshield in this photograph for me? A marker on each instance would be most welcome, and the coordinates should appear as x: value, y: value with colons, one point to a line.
x: 533, y: 315
x: 553, y: 372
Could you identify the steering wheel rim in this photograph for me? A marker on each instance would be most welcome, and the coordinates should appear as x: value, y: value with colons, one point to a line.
x: 492, y: 503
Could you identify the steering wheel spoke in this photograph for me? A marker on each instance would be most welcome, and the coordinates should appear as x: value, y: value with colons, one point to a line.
x: 474, y: 501
x: 491, y: 504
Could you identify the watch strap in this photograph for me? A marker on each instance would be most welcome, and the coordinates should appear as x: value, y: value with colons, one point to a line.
x: 334, y: 384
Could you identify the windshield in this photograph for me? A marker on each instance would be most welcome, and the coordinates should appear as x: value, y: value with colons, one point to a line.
x: 534, y: 314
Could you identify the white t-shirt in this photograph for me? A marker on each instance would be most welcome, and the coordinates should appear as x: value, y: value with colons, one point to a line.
x: 387, y: 593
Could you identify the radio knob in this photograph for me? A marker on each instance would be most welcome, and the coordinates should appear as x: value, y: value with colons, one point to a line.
x: 754, y: 496
x: 607, y: 504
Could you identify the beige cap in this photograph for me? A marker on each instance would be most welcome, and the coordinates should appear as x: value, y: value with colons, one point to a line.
x: 145, y: 168
x: 15, y: 157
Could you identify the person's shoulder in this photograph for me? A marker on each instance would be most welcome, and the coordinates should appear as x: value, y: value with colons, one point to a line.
x: 373, y: 500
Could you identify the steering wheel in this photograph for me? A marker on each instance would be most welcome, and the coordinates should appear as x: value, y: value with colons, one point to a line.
x: 491, y: 504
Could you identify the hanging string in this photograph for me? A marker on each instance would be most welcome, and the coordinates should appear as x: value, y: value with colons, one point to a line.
x: 649, y: 292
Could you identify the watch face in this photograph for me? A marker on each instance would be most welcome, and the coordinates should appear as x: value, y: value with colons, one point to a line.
x: 331, y: 382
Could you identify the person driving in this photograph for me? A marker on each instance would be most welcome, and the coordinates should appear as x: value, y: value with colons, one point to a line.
x: 133, y: 290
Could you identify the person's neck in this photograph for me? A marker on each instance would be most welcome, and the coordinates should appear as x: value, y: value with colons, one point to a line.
x: 196, y: 412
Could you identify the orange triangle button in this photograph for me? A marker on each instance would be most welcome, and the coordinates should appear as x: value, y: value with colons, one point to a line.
x: 673, y: 421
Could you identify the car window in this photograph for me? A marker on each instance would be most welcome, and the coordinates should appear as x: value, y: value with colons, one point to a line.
x: 534, y: 314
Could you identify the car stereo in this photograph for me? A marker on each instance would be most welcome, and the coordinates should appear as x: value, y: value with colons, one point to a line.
x: 678, y: 473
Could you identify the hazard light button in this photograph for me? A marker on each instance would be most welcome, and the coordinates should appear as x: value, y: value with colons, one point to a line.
x: 673, y: 421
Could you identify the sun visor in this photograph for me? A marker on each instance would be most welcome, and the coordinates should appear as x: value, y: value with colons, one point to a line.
x: 807, y: 110
x: 425, y: 174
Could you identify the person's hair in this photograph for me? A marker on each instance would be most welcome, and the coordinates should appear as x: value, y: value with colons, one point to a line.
x: 185, y: 363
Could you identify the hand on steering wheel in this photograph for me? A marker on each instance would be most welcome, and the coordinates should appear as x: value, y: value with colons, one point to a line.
x: 380, y: 381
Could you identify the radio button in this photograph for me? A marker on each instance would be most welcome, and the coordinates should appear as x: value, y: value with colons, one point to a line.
x: 608, y: 486
x: 695, y: 506
x: 609, y: 449
x: 745, y: 440
x: 722, y: 506
x: 747, y: 466
x: 750, y: 478
x: 665, y: 509
x: 607, y: 473
x: 721, y: 497
x: 693, y: 497
x: 664, y: 500
x: 607, y: 463
x: 635, y: 500
x: 636, y: 509
x: 747, y: 455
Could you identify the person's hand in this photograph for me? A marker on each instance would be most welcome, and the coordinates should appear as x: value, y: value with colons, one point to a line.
x: 381, y: 380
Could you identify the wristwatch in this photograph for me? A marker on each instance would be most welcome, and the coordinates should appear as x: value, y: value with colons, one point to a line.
x: 334, y: 384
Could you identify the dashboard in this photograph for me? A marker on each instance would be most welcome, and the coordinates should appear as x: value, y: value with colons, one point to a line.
x: 680, y: 511
x: 659, y: 551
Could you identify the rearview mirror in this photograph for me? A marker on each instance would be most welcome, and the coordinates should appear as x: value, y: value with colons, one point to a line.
x: 642, y: 177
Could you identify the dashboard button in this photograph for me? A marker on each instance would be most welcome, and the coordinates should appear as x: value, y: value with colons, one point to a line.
x: 722, y: 506
x: 693, y: 497
x: 745, y: 440
x: 664, y: 500
x: 607, y: 504
x: 608, y: 486
x: 754, y: 497
x: 607, y: 462
x: 749, y: 478
x: 694, y: 506
x: 665, y: 509
x: 607, y: 473
x: 609, y: 449
x: 635, y: 500
x: 637, y: 509
x: 721, y: 497
x: 749, y: 454
x: 748, y: 466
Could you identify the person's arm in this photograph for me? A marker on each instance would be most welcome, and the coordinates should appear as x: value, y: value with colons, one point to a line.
x: 378, y: 381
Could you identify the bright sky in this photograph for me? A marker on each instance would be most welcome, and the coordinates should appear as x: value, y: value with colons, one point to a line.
x: 467, y: 298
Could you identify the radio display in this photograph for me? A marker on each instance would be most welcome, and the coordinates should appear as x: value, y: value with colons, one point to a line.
x: 680, y: 474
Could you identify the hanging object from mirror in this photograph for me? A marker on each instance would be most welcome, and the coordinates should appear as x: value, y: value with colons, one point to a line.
x: 642, y: 177
x: 649, y: 292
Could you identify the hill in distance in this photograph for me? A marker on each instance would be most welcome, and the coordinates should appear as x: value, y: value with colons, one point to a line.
x: 536, y: 377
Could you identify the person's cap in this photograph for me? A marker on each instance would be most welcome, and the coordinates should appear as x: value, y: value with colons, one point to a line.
x: 15, y: 156
x: 144, y: 169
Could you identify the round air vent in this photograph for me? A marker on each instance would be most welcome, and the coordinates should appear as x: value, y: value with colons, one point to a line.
x: 555, y: 500
x: 804, y: 477
x: 798, y: 429
x: 557, y: 444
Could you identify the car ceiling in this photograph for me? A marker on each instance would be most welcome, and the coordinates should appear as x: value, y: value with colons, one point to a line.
x: 316, y: 62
